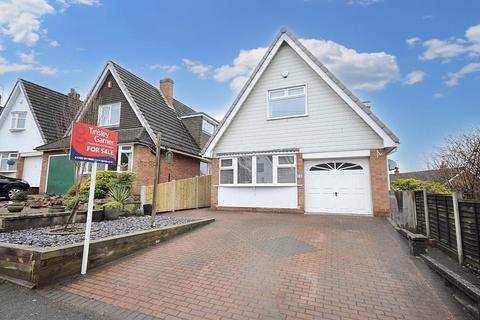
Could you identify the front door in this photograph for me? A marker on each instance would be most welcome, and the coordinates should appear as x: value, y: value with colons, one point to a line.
x: 340, y: 186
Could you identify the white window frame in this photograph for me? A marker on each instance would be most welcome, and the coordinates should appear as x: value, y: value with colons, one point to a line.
x: 254, y: 183
x: 232, y: 167
x: 10, y: 155
x: 119, y: 158
x: 285, y: 97
x: 209, y: 168
x: 14, y: 120
x: 110, y: 123
x: 86, y: 167
x: 205, y: 121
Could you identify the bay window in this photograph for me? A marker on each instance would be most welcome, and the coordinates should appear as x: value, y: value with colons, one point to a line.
x: 6, y: 159
x: 226, y: 171
x: 124, y: 162
x: 258, y: 170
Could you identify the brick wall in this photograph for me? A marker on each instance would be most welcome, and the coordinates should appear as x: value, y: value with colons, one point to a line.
x: 20, y: 164
x: 214, y: 191
x: 144, y: 167
x: 43, y: 174
x: 301, y: 184
x: 379, y: 182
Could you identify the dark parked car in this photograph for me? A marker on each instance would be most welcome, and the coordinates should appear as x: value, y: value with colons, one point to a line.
x: 10, y: 186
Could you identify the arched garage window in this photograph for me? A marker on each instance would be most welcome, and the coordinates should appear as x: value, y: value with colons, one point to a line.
x: 336, y: 166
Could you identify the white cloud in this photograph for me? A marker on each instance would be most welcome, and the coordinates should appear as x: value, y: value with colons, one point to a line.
x: 168, y: 68
x: 7, y: 67
x: 368, y: 71
x: 27, y: 57
x: 20, y: 19
x: 412, y: 41
x: 65, y: 4
x: 438, y: 95
x: 454, y: 77
x: 428, y: 17
x: 53, y: 43
x: 450, y: 48
x: 414, y: 77
x: 364, y: 2
x: 197, y: 68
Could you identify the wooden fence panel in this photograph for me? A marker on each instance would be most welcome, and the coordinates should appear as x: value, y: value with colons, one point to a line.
x: 469, y: 221
x: 204, y: 188
x: 420, y: 210
x: 185, y: 194
x: 442, y: 221
x: 181, y: 194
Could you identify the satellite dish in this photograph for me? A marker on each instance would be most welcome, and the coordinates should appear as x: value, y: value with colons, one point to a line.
x: 392, y: 165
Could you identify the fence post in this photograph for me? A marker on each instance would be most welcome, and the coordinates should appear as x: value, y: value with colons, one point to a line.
x: 174, y: 196
x: 427, y: 218
x: 458, y: 230
x: 414, y: 199
x: 196, y: 192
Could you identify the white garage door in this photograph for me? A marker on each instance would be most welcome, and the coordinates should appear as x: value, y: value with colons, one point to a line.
x: 31, y: 170
x: 337, y: 186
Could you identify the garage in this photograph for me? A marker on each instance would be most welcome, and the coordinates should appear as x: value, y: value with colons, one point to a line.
x: 338, y: 186
x: 31, y: 170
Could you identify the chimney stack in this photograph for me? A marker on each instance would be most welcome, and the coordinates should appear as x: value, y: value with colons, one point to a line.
x: 166, y: 87
x: 74, y: 94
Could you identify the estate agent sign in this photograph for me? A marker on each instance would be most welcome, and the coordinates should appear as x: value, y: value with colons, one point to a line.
x: 93, y: 144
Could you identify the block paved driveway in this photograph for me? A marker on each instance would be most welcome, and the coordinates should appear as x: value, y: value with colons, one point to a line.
x: 267, y: 266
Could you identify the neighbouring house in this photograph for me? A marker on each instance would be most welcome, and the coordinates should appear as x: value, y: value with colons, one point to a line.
x: 297, y: 140
x: 121, y: 101
x: 32, y: 116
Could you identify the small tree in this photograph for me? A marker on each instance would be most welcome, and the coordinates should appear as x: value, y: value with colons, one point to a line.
x: 458, y: 161
x: 71, y: 110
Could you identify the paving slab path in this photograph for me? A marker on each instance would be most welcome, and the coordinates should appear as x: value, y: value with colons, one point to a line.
x: 267, y: 266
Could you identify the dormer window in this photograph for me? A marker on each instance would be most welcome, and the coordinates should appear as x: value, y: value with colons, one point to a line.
x: 208, y: 127
x: 287, y: 102
x: 19, y: 120
x: 109, y: 115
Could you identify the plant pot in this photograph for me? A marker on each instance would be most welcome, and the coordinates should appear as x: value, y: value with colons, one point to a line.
x: 15, y: 207
x: 112, y: 213
x: 35, y: 205
x: 147, y: 209
x: 56, y: 208
x: 97, y: 215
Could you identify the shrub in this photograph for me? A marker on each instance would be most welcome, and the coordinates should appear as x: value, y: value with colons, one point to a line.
x: 113, y: 205
x: 69, y: 201
x: 139, y: 212
x: 105, y: 180
x: 119, y: 193
x: 21, y: 196
x: 414, y: 184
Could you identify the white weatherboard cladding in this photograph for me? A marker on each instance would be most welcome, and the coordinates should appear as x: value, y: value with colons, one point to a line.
x: 32, y: 168
x: 331, y: 125
x: 20, y: 141
x: 258, y: 197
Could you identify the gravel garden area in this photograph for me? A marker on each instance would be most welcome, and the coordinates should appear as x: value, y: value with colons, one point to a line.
x: 37, y: 237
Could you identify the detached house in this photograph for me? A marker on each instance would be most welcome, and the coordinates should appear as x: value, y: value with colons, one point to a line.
x: 33, y: 115
x: 121, y: 101
x: 297, y: 140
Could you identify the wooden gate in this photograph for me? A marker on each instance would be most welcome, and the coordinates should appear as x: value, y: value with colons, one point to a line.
x: 181, y: 194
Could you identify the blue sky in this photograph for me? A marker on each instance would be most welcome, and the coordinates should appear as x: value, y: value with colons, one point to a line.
x: 418, y: 62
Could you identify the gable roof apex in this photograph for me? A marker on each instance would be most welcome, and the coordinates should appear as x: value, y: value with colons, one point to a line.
x: 284, y: 35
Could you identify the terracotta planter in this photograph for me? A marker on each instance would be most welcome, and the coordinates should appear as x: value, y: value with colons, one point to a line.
x: 112, y: 213
x: 15, y: 207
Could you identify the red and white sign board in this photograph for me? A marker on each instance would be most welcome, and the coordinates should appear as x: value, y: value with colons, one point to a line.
x: 93, y: 144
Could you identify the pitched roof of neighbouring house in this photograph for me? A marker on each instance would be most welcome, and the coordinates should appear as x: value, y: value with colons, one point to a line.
x: 330, y: 75
x: 442, y: 176
x: 49, y: 109
x: 182, y: 109
x: 159, y: 116
x: 133, y: 135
